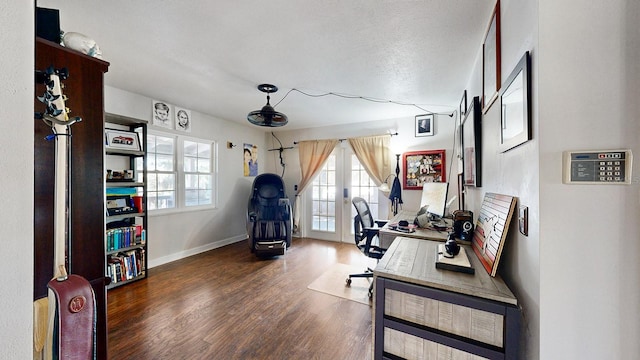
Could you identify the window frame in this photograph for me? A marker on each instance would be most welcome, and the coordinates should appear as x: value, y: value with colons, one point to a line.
x: 180, y: 186
x: 211, y: 172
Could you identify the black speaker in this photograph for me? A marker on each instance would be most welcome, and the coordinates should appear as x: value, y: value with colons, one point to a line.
x: 48, y: 24
x: 463, y: 224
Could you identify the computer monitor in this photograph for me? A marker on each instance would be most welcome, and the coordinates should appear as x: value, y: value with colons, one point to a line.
x: 434, y: 195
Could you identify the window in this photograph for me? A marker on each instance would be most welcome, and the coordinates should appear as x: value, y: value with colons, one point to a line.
x: 323, y: 210
x: 161, y: 172
x: 363, y: 186
x: 180, y: 172
x: 197, y: 173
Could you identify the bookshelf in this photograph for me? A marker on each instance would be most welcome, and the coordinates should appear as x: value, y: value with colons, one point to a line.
x: 125, y: 237
x: 85, y: 97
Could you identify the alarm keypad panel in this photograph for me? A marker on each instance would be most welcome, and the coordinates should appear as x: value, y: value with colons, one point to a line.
x: 597, y: 167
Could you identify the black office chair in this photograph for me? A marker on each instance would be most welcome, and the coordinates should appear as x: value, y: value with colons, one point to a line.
x: 366, y: 237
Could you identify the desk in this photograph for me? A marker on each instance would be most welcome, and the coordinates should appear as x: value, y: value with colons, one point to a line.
x: 422, y: 312
x: 387, y: 235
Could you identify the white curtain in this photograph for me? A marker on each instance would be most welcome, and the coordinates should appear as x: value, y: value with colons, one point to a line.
x: 373, y: 153
x: 313, y: 155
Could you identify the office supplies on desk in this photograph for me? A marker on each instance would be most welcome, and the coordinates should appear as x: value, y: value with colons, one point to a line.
x: 403, y: 226
x: 390, y: 231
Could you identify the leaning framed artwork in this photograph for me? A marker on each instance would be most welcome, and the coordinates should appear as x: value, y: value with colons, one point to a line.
x: 424, y: 125
x: 515, y: 100
x: 121, y: 139
x: 423, y: 166
x: 491, y: 60
x: 472, y: 145
x: 491, y: 229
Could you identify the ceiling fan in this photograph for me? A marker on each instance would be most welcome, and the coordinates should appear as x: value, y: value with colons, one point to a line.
x: 267, y: 116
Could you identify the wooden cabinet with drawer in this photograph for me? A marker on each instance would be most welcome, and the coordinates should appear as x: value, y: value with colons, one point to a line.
x: 421, y: 312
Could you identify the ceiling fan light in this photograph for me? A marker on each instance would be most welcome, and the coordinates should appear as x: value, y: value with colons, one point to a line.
x: 267, y: 116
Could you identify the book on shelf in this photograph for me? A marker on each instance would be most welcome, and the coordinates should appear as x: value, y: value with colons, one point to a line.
x: 123, y: 237
x: 126, y: 265
x: 115, y: 269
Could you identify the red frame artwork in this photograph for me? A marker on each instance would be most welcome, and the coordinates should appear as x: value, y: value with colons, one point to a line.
x: 423, y: 166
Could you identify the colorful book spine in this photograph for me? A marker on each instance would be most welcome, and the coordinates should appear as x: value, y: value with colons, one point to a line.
x: 124, y: 237
x: 126, y: 265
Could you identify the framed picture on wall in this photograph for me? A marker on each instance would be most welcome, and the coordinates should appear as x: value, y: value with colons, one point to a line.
x: 250, y: 158
x: 471, y: 145
x: 463, y: 105
x: 491, y: 60
x: 183, y: 119
x: 162, y: 115
x: 515, y: 99
x: 423, y: 166
x: 424, y: 125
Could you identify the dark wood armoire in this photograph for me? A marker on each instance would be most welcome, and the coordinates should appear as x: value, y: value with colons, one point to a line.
x: 86, y: 254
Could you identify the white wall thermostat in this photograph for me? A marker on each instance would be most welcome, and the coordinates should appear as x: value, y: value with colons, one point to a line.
x: 597, y: 167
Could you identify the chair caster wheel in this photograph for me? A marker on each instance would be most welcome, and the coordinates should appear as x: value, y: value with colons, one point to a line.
x: 348, y: 281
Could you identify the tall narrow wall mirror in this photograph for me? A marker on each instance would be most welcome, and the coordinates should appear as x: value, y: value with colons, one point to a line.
x: 515, y: 99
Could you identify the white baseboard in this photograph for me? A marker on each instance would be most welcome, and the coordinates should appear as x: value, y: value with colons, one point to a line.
x: 200, y: 249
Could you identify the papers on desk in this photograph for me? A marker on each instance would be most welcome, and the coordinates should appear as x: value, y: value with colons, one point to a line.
x: 459, y: 262
x: 406, y: 229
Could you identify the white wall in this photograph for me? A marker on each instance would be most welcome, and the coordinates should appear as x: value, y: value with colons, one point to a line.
x: 589, y: 86
x: 16, y: 146
x: 515, y: 172
x: 172, y: 236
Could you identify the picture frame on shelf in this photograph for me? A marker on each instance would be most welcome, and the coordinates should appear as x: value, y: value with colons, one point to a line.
x: 420, y: 167
x: 472, y: 145
x: 424, y: 125
x: 122, y: 140
x: 515, y: 100
x: 491, y: 60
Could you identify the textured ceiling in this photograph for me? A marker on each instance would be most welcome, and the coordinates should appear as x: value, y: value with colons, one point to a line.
x: 209, y: 56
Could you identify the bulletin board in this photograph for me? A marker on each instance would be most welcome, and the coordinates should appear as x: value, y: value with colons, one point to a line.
x: 423, y: 166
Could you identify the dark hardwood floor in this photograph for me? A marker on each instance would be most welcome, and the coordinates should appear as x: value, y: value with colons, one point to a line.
x: 229, y: 304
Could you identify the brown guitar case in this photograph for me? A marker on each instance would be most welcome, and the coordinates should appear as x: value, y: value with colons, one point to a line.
x: 75, y: 318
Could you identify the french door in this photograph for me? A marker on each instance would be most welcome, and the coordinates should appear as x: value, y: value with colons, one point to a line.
x: 328, y: 210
